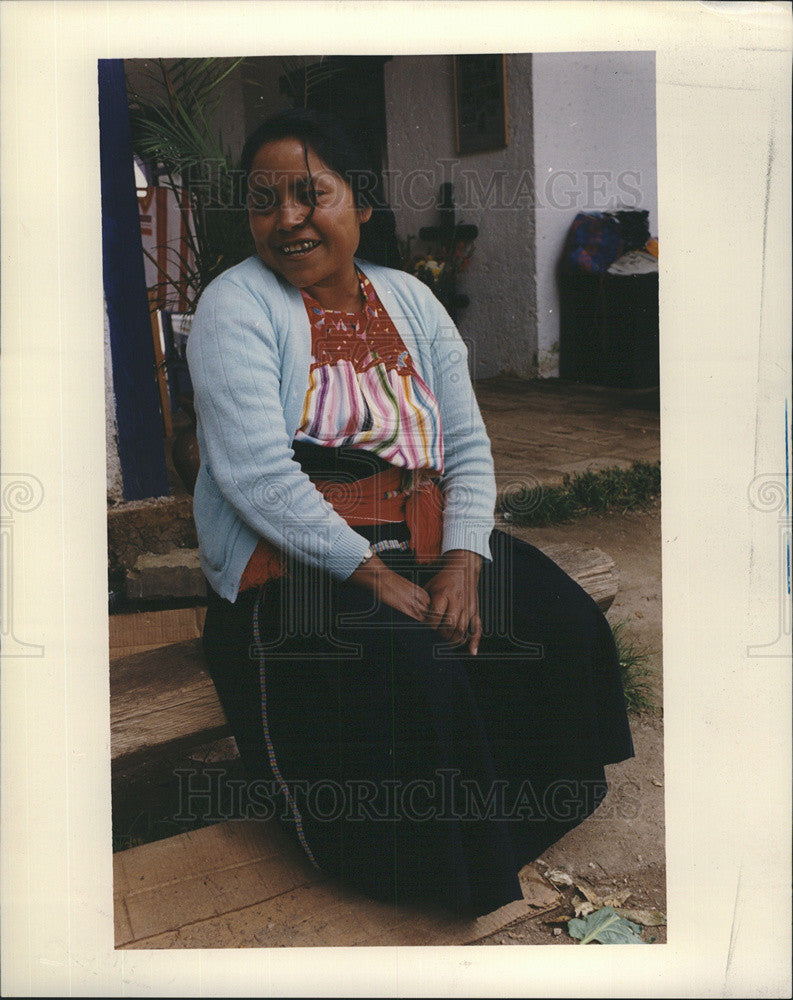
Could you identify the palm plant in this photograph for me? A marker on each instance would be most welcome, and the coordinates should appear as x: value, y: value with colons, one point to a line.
x: 306, y: 76
x: 173, y: 130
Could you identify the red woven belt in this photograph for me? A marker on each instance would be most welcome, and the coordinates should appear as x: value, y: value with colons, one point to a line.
x: 391, y: 496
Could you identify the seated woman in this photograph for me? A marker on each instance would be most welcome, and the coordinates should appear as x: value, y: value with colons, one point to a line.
x: 433, y: 700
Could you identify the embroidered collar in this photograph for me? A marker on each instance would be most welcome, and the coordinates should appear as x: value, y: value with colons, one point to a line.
x: 367, y: 312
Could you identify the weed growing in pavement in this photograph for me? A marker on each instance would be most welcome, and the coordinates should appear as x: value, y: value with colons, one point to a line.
x: 611, y: 489
x: 635, y: 669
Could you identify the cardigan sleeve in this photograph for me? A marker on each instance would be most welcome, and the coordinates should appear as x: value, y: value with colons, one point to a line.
x: 234, y: 367
x: 469, y: 484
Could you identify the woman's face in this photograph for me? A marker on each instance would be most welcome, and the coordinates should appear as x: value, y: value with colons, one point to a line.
x: 312, y: 250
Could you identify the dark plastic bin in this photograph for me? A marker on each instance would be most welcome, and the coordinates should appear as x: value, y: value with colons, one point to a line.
x: 609, y: 329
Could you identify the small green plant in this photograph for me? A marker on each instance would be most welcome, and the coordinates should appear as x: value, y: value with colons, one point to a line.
x: 540, y: 506
x: 606, y: 927
x: 635, y: 669
x: 623, y: 489
x: 611, y: 489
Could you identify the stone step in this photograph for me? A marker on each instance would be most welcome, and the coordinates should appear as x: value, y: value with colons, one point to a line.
x: 166, y: 575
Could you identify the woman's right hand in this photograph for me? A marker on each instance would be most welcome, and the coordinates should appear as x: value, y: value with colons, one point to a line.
x: 392, y: 589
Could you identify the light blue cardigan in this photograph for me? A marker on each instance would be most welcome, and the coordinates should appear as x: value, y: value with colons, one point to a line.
x: 249, y: 353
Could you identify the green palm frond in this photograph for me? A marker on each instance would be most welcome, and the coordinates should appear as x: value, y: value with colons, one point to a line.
x: 173, y: 128
x: 304, y: 75
x: 173, y: 124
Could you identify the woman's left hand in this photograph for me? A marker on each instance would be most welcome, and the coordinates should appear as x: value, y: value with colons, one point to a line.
x: 454, y: 599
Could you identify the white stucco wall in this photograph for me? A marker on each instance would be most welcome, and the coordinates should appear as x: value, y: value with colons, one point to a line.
x: 500, y: 323
x: 594, y: 149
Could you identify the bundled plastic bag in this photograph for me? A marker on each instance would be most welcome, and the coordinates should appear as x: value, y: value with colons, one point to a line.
x: 593, y: 243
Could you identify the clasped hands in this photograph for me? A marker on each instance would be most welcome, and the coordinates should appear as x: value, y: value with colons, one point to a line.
x: 448, y: 601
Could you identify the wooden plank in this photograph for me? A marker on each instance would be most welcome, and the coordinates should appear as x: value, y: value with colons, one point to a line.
x: 591, y: 568
x: 327, y: 915
x: 142, y: 630
x: 245, y: 884
x: 162, y: 699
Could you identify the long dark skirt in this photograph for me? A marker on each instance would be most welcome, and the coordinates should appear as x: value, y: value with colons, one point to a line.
x: 409, y: 767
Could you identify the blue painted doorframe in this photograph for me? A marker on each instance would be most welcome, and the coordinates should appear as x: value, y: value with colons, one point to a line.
x: 141, y: 448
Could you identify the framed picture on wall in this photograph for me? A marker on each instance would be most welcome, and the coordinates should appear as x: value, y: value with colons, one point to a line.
x: 480, y: 102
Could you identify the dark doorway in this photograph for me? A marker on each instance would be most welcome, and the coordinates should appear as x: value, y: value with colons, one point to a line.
x: 352, y: 88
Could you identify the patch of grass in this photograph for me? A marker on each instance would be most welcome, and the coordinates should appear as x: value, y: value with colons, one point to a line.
x: 540, y: 506
x: 611, y: 489
x: 635, y: 669
x: 623, y: 489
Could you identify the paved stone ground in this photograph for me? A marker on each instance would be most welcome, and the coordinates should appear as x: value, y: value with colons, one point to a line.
x: 541, y: 430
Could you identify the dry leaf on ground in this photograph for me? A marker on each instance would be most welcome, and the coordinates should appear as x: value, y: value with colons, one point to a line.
x: 536, y: 891
x: 648, y: 918
x: 583, y: 907
x: 617, y: 900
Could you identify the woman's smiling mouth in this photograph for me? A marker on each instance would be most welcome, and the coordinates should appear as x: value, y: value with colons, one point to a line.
x: 298, y: 247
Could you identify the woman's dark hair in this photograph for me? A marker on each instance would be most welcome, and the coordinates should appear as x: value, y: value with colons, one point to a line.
x: 328, y: 138
x: 340, y: 150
